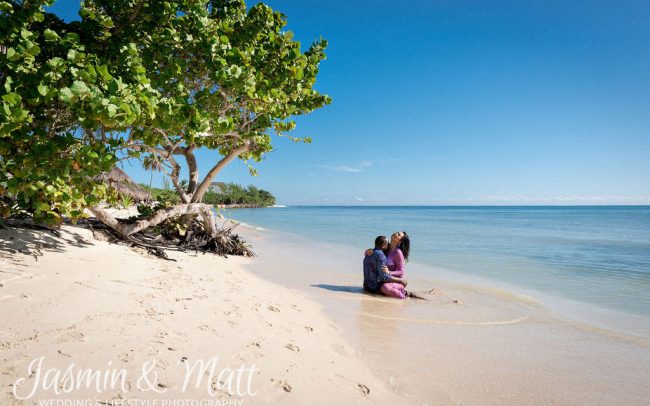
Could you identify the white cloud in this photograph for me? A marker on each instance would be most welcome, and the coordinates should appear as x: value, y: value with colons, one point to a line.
x: 360, y: 167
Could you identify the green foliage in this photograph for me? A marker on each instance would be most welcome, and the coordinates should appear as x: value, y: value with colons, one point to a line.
x: 232, y: 193
x: 165, y: 196
x: 133, y: 78
x: 145, y: 210
x: 47, y: 167
x: 126, y: 201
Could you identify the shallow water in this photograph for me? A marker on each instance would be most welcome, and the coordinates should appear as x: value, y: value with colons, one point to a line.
x: 595, y: 261
x: 471, y: 342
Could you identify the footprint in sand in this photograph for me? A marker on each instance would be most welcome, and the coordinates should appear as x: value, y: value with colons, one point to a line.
x: 272, y: 308
x: 309, y: 329
x: 161, y: 334
x: 232, y: 309
x: 283, y: 384
x: 126, y: 356
x: 205, y: 327
x: 164, y: 364
x: 151, y: 350
x: 153, y: 313
x: 71, y: 336
x: 292, y: 347
x: 221, y: 388
x: 64, y: 354
x: 364, y: 389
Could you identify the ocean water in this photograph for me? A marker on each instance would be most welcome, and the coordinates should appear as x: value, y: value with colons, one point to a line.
x: 589, y: 257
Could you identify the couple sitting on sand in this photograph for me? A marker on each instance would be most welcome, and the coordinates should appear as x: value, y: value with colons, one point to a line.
x: 383, y: 266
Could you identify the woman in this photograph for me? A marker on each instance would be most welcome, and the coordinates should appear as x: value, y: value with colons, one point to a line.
x: 400, y: 246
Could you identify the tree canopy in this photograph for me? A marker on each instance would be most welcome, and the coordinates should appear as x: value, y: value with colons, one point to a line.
x: 145, y: 79
x: 232, y: 193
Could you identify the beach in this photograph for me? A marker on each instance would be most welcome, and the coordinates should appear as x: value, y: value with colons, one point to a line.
x: 75, y: 303
x: 280, y: 327
x: 191, y: 192
x: 473, y: 341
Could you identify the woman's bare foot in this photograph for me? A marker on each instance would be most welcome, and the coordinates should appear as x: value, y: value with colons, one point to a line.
x: 414, y: 295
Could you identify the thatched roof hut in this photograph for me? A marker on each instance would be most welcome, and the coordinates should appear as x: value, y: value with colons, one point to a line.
x: 123, y: 183
x: 217, y: 186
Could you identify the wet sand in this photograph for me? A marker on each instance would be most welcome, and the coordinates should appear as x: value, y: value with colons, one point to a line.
x: 466, y: 344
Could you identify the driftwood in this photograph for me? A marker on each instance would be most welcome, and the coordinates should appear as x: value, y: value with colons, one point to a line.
x: 128, y: 228
x: 224, y: 242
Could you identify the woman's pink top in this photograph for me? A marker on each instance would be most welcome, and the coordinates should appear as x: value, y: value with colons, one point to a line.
x: 395, y: 262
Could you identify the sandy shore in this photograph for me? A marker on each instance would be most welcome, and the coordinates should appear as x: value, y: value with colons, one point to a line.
x: 78, y: 303
x: 468, y: 344
x: 282, y: 329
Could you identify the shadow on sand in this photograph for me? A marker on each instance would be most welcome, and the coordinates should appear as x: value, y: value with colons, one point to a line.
x: 339, y: 288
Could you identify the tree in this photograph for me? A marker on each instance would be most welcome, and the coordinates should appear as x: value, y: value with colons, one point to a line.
x: 144, y: 79
x: 232, y: 193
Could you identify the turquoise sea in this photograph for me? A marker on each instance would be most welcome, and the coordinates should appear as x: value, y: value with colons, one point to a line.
x: 572, y: 257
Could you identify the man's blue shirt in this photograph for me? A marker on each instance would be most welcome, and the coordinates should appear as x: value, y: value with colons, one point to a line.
x: 373, y: 276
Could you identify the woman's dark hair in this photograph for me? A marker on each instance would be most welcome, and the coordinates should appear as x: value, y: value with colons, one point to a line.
x: 405, y: 245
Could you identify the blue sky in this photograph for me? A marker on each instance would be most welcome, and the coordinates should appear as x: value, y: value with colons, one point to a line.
x: 465, y: 102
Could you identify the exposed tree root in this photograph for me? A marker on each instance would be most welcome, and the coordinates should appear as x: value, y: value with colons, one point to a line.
x: 225, y: 242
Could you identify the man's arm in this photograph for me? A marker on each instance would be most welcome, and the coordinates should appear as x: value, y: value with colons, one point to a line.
x: 386, y: 276
x: 395, y: 279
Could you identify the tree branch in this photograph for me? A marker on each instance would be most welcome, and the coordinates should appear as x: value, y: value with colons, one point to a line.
x: 203, y: 187
x: 193, y: 170
x: 204, y: 210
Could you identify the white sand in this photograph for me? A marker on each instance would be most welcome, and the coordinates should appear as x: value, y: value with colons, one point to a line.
x: 100, y: 306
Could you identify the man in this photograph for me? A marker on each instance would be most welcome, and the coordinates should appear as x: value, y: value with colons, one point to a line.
x: 375, y: 271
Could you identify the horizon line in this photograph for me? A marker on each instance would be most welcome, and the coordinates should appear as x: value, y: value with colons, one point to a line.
x: 466, y: 205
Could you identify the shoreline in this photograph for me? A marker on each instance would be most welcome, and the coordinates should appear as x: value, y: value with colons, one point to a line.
x: 304, y: 320
x: 78, y: 300
x: 447, y: 345
x: 586, y: 309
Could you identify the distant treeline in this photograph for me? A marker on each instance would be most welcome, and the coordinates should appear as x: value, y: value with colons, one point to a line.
x: 232, y: 193
x: 228, y: 194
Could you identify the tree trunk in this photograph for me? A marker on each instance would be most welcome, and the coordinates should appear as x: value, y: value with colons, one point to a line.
x: 203, y: 187
x: 193, y: 169
x: 204, y: 210
x: 193, y: 182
